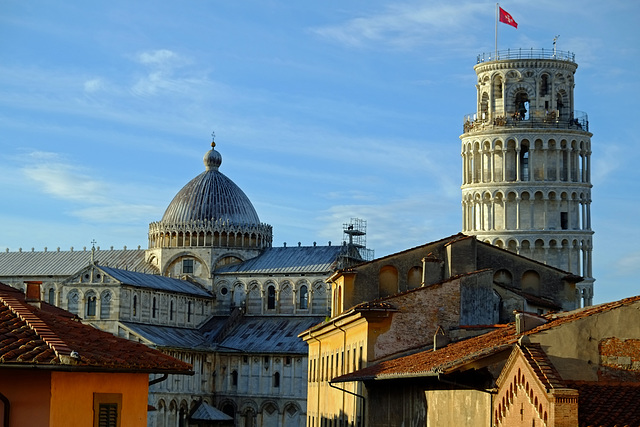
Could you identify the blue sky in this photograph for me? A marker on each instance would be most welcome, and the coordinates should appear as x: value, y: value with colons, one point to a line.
x: 323, y: 111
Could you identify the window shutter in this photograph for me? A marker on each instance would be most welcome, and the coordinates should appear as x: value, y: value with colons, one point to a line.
x: 108, y: 415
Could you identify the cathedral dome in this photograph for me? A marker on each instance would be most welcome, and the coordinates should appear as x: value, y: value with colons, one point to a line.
x: 210, y: 211
x: 211, y: 196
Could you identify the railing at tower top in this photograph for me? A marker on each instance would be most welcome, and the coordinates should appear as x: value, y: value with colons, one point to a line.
x: 509, y: 54
x: 579, y: 120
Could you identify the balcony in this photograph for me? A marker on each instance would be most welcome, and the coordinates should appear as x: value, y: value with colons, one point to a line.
x: 510, y: 54
x: 536, y: 120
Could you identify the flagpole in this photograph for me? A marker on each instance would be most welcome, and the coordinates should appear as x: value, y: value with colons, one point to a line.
x: 496, y: 55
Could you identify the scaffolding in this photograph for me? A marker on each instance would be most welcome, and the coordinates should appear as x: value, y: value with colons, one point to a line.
x: 355, y: 239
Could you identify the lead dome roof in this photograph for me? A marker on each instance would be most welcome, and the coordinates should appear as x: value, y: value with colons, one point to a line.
x: 211, y: 196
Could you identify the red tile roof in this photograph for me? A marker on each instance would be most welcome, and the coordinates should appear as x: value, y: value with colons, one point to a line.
x: 472, y: 350
x: 53, y: 338
x: 608, y: 404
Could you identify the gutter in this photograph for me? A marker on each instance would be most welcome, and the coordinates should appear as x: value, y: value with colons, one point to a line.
x: 71, y: 368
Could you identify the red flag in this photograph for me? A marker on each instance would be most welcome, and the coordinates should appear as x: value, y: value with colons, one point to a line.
x: 507, y: 19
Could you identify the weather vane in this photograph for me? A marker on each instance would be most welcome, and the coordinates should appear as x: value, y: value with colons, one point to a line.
x: 213, y: 138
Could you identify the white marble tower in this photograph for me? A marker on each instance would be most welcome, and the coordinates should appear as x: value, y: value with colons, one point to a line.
x: 526, y: 162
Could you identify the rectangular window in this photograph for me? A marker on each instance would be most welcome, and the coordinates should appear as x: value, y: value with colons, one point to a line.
x: 187, y: 266
x: 564, y: 220
x: 106, y: 409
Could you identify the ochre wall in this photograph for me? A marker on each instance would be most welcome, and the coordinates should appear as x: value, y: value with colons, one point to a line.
x: 458, y: 408
x: 345, y: 348
x: 29, y: 395
x: 72, y: 397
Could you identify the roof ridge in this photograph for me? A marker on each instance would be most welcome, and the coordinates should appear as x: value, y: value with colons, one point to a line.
x: 39, y: 326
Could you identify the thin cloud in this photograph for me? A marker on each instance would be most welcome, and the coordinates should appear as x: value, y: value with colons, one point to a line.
x: 90, y: 199
x: 93, y: 85
x: 62, y: 180
x: 405, y: 26
x: 160, y: 57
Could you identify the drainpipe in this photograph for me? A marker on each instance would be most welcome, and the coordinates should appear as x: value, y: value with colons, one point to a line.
x: 344, y: 351
x: 316, y: 373
x: 344, y: 345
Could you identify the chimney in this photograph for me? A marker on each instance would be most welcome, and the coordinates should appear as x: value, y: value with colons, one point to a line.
x: 33, y: 292
x: 527, y: 321
x: 440, y: 339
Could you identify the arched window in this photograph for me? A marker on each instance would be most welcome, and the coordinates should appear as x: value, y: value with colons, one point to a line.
x: 388, y: 281
x: 531, y: 282
x: 414, y: 277
x: 522, y: 106
x: 91, y: 304
x: 304, y: 297
x: 524, y: 163
x: 228, y: 409
x: 105, y: 305
x: 72, y: 301
x: 271, y: 297
x: 249, y: 418
x: 52, y: 296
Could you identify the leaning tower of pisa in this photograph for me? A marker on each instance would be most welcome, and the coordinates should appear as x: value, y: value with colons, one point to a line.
x: 526, y: 160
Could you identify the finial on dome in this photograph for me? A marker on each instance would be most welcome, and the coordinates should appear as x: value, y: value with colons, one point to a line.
x: 212, y: 159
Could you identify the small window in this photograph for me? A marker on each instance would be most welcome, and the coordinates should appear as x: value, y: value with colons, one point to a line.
x: 106, y: 409
x: 287, y: 360
x: 187, y: 266
x: 234, y: 378
x: 135, y: 305
x: 271, y: 297
x: 52, y: 296
x: 171, y: 310
x: 304, y: 298
x: 91, y: 305
x: 189, y: 311
x: 564, y: 220
x: 276, y: 379
x: 154, y: 308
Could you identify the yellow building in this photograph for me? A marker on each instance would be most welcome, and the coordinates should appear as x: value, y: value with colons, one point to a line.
x: 420, y: 298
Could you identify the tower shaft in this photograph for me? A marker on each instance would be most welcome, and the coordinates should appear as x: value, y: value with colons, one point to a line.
x: 526, y: 163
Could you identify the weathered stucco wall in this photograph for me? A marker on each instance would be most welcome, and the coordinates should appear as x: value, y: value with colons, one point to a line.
x: 450, y: 408
x: 29, y: 394
x: 602, y: 345
x: 72, y: 397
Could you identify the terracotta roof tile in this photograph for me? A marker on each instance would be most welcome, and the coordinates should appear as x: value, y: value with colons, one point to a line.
x: 458, y: 354
x: 49, y: 336
x: 608, y: 405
